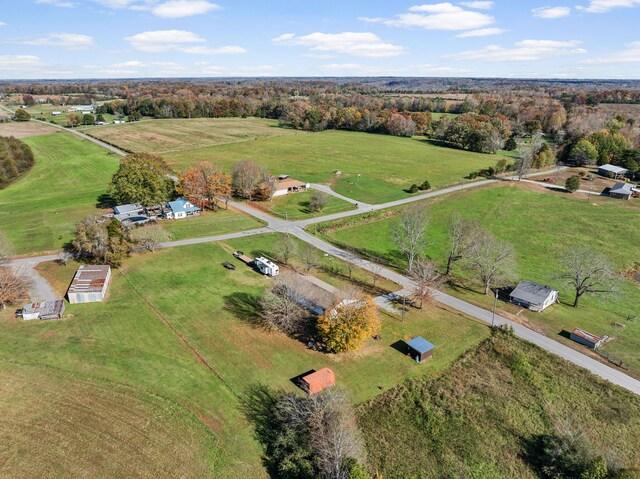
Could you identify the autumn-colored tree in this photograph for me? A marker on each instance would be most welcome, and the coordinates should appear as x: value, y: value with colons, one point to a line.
x: 205, y: 185
x: 73, y: 119
x: 13, y: 286
x: 246, y: 176
x: 345, y: 326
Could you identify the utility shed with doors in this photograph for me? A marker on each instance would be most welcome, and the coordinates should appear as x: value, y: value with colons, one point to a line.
x: 266, y: 266
x: 90, y: 284
x: 420, y: 349
x: 533, y: 296
x: 589, y: 340
x: 44, y: 310
x: 318, y: 381
x: 612, y: 171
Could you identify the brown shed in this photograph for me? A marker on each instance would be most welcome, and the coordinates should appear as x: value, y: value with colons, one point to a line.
x: 318, y: 380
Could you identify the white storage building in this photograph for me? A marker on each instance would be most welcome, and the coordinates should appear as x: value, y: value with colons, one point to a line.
x: 90, y: 284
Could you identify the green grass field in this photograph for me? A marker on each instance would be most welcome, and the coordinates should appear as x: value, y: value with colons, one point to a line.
x: 540, y: 226
x: 209, y: 224
x: 135, y: 345
x: 38, y: 212
x: 375, y: 168
x: 485, y: 417
x: 166, y: 136
x: 296, y: 206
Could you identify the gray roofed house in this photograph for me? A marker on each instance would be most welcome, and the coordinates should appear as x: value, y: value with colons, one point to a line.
x: 533, y: 296
x: 622, y: 191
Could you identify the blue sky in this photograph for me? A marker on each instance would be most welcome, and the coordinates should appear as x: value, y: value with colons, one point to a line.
x: 203, y: 38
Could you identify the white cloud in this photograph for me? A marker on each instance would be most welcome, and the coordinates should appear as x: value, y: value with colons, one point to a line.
x: 183, y: 8
x: 481, y: 32
x: 439, y: 16
x: 602, y: 6
x: 56, y: 3
x: 178, y: 40
x: 481, y: 5
x: 526, y: 50
x: 70, y: 41
x: 29, y: 66
x: 630, y: 55
x: 349, y: 43
x: 356, y: 69
x: 19, y: 62
x: 2, y: 24
x: 551, y: 13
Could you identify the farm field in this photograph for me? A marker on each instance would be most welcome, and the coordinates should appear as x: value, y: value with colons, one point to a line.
x: 488, y: 415
x: 38, y: 211
x: 296, y: 206
x: 552, y: 222
x: 131, y: 345
x: 167, y: 136
x: 374, y: 168
x: 25, y: 129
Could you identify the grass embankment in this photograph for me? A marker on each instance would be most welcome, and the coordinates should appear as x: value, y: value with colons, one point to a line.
x: 541, y: 227
x: 486, y: 416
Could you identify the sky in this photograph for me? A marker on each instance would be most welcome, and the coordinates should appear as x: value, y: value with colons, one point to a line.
x: 78, y: 39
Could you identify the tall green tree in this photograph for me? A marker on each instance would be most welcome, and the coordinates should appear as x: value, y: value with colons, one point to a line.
x: 22, y: 115
x: 142, y: 178
x: 584, y: 153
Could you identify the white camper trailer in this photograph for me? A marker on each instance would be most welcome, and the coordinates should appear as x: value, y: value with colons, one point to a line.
x: 266, y: 267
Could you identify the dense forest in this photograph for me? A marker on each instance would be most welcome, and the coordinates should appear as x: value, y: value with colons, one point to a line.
x: 15, y: 158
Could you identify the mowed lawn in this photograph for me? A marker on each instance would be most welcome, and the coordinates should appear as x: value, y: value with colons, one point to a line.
x: 541, y: 227
x: 296, y: 206
x: 374, y: 168
x: 210, y: 224
x: 132, y: 351
x: 38, y: 212
x: 165, y: 136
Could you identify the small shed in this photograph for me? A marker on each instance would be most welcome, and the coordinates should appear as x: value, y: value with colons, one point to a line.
x: 621, y: 191
x: 43, y: 310
x: 289, y: 185
x: 318, y: 381
x: 589, y: 340
x: 90, y: 284
x: 420, y: 349
x: 533, y: 296
x: 612, y: 171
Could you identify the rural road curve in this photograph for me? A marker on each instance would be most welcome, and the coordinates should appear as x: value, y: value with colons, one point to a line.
x: 84, y: 136
x: 39, y: 288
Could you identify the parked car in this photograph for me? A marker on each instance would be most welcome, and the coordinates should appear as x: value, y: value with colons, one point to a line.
x: 19, y: 313
x: 228, y: 265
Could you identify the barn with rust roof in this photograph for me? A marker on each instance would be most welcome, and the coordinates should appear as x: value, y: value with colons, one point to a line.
x: 90, y: 284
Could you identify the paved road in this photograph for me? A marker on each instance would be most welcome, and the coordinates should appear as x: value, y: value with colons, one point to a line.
x: 84, y: 136
x: 572, y: 355
x: 326, y: 189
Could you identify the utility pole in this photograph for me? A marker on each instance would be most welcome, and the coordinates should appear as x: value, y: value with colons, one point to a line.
x: 495, y: 305
x: 404, y: 303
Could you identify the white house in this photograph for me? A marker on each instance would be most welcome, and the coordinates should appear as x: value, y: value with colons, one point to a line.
x: 289, y: 185
x: 56, y: 113
x: 533, y: 296
x: 180, y: 209
x: 266, y: 267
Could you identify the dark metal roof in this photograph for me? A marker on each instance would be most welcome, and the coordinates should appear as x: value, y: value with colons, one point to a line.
x: 420, y: 344
x: 532, y: 293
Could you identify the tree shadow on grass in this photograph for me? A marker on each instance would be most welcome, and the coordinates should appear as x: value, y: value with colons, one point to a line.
x: 245, y: 306
x: 105, y: 201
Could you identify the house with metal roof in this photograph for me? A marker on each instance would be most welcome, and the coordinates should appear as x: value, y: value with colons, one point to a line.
x: 419, y: 349
x: 180, y: 209
x: 612, y: 171
x: 621, y: 191
x: 89, y: 285
x: 533, y: 296
x: 587, y: 339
